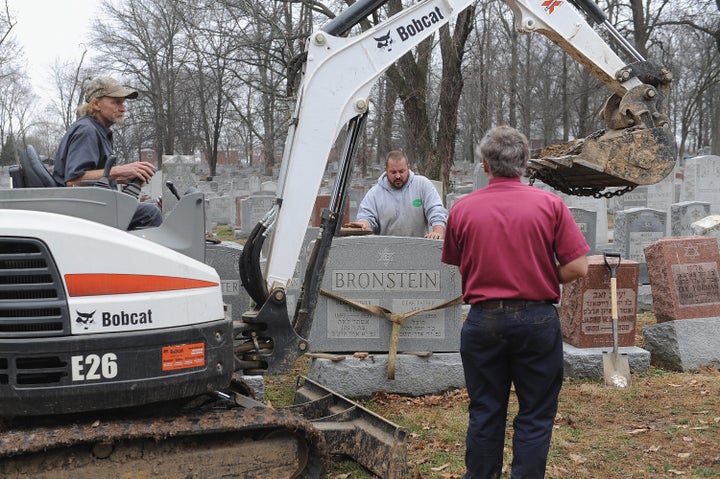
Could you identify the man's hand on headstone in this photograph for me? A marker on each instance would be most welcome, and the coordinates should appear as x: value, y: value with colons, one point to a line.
x: 363, y: 225
x: 438, y: 232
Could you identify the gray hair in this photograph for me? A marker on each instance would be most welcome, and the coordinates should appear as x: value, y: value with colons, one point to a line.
x: 505, y: 150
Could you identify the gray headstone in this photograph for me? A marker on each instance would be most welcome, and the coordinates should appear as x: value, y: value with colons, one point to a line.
x: 636, y: 228
x: 662, y: 194
x: 5, y: 180
x: 270, y: 186
x: 220, y: 210
x: 451, y: 198
x: 700, y: 181
x: 399, y: 273
x: 587, y: 222
x: 599, y: 206
x: 684, y: 214
x: 252, y: 209
x: 225, y: 258
x: 637, y: 198
x: 181, y: 170
x: 708, y: 226
x: 481, y: 178
x: 254, y: 183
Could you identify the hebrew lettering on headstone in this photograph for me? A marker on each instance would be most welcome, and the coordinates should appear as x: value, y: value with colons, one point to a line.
x: 586, y: 305
x: 684, y: 278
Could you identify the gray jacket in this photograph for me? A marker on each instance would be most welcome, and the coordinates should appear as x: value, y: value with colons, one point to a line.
x: 409, y: 211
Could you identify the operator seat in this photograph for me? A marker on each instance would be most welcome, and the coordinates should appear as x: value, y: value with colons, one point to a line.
x: 34, y: 172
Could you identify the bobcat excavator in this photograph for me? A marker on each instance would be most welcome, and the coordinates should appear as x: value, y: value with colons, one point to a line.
x: 117, y: 358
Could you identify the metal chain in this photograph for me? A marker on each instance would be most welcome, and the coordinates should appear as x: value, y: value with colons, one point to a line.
x: 548, y: 176
x: 557, y: 182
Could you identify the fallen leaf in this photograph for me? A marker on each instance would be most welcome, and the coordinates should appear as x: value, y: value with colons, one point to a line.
x: 638, y: 431
x: 676, y: 472
x: 440, y: 468
x: 683, y: 455
x: 577, y: 458
x: 652, y: 449
x: 687, y: 439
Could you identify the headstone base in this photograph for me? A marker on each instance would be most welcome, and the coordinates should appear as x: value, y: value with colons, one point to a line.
x: 417, y: 376
x: 414, y: 375
x: 588, y: 362
x: 684, y: 344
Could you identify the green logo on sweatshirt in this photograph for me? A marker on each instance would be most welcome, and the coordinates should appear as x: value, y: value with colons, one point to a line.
x: 417, y: 203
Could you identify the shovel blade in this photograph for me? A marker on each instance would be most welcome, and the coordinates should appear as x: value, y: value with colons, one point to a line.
x: 616, y: 369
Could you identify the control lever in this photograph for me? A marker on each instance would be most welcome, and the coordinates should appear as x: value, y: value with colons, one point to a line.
x: 104, y: 181
x: 173, y: 190
x: 133, y: 188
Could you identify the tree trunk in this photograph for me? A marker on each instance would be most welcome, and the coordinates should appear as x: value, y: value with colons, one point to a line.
x: 451, y: 86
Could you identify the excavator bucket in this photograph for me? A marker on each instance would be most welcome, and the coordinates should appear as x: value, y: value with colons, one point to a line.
x: 637, y: 146
x: 353, y: 431
x: 616, y: 159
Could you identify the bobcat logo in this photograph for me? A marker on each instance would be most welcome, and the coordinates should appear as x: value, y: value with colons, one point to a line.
x: 384, y: 41
x: 86, y: 319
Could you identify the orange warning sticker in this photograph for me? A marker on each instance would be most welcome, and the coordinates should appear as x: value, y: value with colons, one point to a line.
x: 183, y: 356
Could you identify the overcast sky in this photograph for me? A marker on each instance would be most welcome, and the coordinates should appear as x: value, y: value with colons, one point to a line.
x: 50, y: 30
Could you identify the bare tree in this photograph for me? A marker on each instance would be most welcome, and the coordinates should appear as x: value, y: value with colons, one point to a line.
x: 144, y: 39
x: 701, y: 17
x: 431, y: 145
x: 69, y: 79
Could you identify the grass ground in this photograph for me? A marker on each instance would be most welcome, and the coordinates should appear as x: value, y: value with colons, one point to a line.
x: 666, y: 425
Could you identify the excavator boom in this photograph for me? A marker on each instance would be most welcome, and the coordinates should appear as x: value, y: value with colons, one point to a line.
x: 636, y: 147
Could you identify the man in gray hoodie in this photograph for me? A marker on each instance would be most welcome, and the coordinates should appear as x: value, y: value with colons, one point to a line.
x: 402, y: 203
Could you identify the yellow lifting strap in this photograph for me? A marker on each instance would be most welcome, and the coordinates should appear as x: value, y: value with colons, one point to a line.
x: 396, y: 319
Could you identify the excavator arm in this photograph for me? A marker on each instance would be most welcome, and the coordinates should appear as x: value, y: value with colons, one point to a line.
x: 636, y: 146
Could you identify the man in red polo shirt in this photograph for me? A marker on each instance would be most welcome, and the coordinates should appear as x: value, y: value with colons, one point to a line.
x: 514, y: 245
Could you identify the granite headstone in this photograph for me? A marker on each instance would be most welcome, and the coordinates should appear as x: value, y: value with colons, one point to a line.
x: 683, y: 274
x: 636, y: 228
x: 399, y: 273
x: 586, y: 306
x: 587, y: 222
x: 684, y: 214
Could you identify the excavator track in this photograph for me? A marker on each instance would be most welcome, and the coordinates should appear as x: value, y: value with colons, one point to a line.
x: 256, y: 442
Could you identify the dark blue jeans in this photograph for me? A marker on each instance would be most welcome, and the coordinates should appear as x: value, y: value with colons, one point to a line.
x: 520, y: 344
x: 146, y: 215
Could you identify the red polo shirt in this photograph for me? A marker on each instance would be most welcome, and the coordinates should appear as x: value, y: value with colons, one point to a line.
x: 506, y: 238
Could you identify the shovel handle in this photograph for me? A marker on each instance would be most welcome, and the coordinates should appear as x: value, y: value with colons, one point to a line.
x: 612, y: 267
x: 613, y: 298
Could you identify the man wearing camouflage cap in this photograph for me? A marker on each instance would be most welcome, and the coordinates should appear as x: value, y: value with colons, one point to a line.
x: 88, y: 144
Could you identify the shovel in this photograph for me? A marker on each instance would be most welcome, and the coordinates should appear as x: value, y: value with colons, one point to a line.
x: 616, y: 367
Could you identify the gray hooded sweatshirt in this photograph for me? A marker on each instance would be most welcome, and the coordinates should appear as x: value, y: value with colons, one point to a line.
x: 409, y: 211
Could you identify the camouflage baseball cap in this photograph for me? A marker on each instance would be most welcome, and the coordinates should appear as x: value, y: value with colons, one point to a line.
x: 105, y: 86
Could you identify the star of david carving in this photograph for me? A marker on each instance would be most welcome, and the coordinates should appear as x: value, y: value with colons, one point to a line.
x: 385, y: 256
x: 692, y: 251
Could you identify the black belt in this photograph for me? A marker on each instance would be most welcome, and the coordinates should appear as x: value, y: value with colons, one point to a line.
x: 509, y: 303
